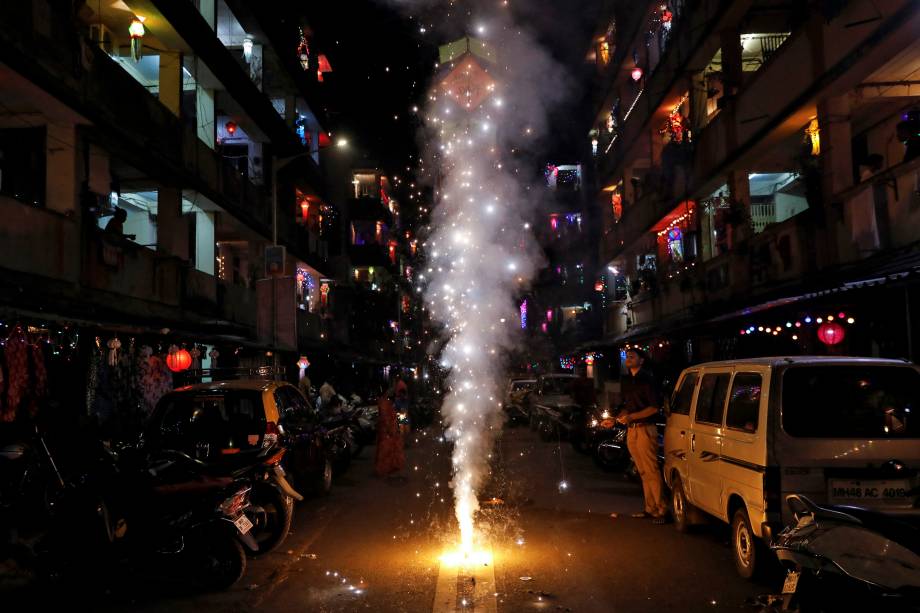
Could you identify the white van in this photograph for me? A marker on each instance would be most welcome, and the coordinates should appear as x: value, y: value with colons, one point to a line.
x: 743, y: 434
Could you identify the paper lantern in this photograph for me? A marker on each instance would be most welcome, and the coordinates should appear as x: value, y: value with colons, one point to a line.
x: 831, y: 333
x: 231, y: 128
x: 636, y: 73
x: 136, y: 31
x: 179, y: 360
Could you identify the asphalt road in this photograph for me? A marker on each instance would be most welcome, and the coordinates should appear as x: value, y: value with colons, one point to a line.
x: 374, y: 545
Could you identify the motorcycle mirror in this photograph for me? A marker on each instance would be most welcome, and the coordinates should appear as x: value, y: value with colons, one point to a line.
x: 798, y: 506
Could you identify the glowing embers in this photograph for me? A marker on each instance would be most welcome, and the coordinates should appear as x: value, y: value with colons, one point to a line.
x: 466, y: 558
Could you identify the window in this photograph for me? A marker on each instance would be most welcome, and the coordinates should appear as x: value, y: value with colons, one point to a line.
x: 295, y: 411
x: 744, y: 402
x: 843, y: 401
x: 683, y: 397
x: 203, y: 424
x: 710, y: 403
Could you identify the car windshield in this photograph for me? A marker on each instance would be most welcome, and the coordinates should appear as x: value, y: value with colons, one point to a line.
x: 556, y: 385
x: 843, y: 401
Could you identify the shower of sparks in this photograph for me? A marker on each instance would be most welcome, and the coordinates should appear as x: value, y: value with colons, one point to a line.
x: 477, y: 259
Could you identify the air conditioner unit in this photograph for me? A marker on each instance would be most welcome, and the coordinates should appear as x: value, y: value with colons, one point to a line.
x: 100, y: 35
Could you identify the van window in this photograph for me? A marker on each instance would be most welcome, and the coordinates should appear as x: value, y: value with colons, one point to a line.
x: 858, y: 401
x: 684, y: 395
x: 710, y: 403
x: 744, y: 402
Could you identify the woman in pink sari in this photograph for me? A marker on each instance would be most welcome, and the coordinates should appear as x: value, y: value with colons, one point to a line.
x: 391, y: 457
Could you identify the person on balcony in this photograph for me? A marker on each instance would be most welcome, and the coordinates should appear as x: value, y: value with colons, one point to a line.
x: 116, y: 225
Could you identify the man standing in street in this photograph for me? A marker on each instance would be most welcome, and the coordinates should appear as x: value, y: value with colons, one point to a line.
x: 641, y: 402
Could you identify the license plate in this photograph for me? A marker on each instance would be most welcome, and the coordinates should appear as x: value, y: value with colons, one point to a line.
x: 885, y: 492
x: 242, y: 524
x: 792, y: 580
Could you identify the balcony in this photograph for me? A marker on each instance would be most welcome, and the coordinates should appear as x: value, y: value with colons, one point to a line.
x: 367, y: 208
x: 25, y: 226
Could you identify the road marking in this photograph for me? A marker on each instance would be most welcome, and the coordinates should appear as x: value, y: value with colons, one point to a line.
x: 475, y: 585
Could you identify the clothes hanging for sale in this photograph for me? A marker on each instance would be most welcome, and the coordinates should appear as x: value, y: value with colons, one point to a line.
x: 16, y: 357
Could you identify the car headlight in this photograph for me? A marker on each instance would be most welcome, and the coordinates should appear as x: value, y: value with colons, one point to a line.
x: 605, y: 415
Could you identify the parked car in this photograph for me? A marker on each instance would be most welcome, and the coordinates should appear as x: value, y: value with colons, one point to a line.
x: 551, y: 390
x: 514, y: 402
x: 235, y: 422
x: 741, y: 435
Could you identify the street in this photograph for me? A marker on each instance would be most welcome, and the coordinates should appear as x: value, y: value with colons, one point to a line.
x: 373, y: 545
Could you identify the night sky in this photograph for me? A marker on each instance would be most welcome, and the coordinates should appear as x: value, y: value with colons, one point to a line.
x: 384, y: 59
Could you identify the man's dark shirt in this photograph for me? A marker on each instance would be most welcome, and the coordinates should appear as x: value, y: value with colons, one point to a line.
x: 640, y: 392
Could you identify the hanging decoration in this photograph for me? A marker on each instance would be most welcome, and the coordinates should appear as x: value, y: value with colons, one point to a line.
x: 830, y: 330
x: 667, y: 17
x: 616, y: 201
x: 324, y: 288
x: 303, y: 51
x: 195, y: 353
x: 137, y: 31
x: 604, y: 51
x: 230, y: 126
x: 247, y: 50
x: 831, y: 333
x: 524, y: 314
x: 676, y: 244
x: 214, y: 354
x: 112, y: 356
x: 178, y: 359
x: 813, y: 136
x: 567, y: 363
x: 302, y: 364
x: 16, y: 354
x: 675, y: 126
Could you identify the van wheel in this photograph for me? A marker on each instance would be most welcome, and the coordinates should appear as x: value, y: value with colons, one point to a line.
x: 745, y: 548
x: 681, y: 509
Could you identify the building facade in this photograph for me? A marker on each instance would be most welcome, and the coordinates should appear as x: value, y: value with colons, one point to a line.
x: 160, y: 193
x: 758, y: 178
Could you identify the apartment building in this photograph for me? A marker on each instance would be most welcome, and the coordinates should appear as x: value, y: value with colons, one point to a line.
x: 159, y: 164
x: 759, y: 177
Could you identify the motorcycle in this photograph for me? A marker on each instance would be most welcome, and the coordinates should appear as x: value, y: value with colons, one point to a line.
x: 842, y: 558
x: 149, y: 515
x: 271, y: 508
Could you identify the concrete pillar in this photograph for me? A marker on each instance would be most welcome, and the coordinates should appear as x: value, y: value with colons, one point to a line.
x: 836, y: 166
x: 205, y: 107
x: 61, y: 183
x: 836, y: 144
x: 204, y: 241
x: 208, y: 10
x: 697, y: 101
x: 739, y: 188
x: 732, y: 73
x: 290, y: 110
x: 172, y: 227
x: 171, y: 80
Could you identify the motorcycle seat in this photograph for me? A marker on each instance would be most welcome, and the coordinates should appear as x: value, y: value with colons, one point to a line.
x: 203, y: 484
x: 892, y: 528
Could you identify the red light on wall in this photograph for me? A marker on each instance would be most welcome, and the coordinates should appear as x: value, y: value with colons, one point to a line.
x: 636, y: 73
x: 231, y: 128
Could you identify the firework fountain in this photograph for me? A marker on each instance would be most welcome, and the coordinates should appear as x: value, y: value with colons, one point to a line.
x: 483, y: 109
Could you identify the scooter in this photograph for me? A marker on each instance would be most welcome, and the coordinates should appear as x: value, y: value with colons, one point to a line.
x: 842, y: 558
x: 159, y: 515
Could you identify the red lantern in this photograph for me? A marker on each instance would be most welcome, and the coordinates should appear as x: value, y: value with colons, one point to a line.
x: 636, y: 73
x: 231, y: 128
x: 179, y: 361
x: 831, y: 333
